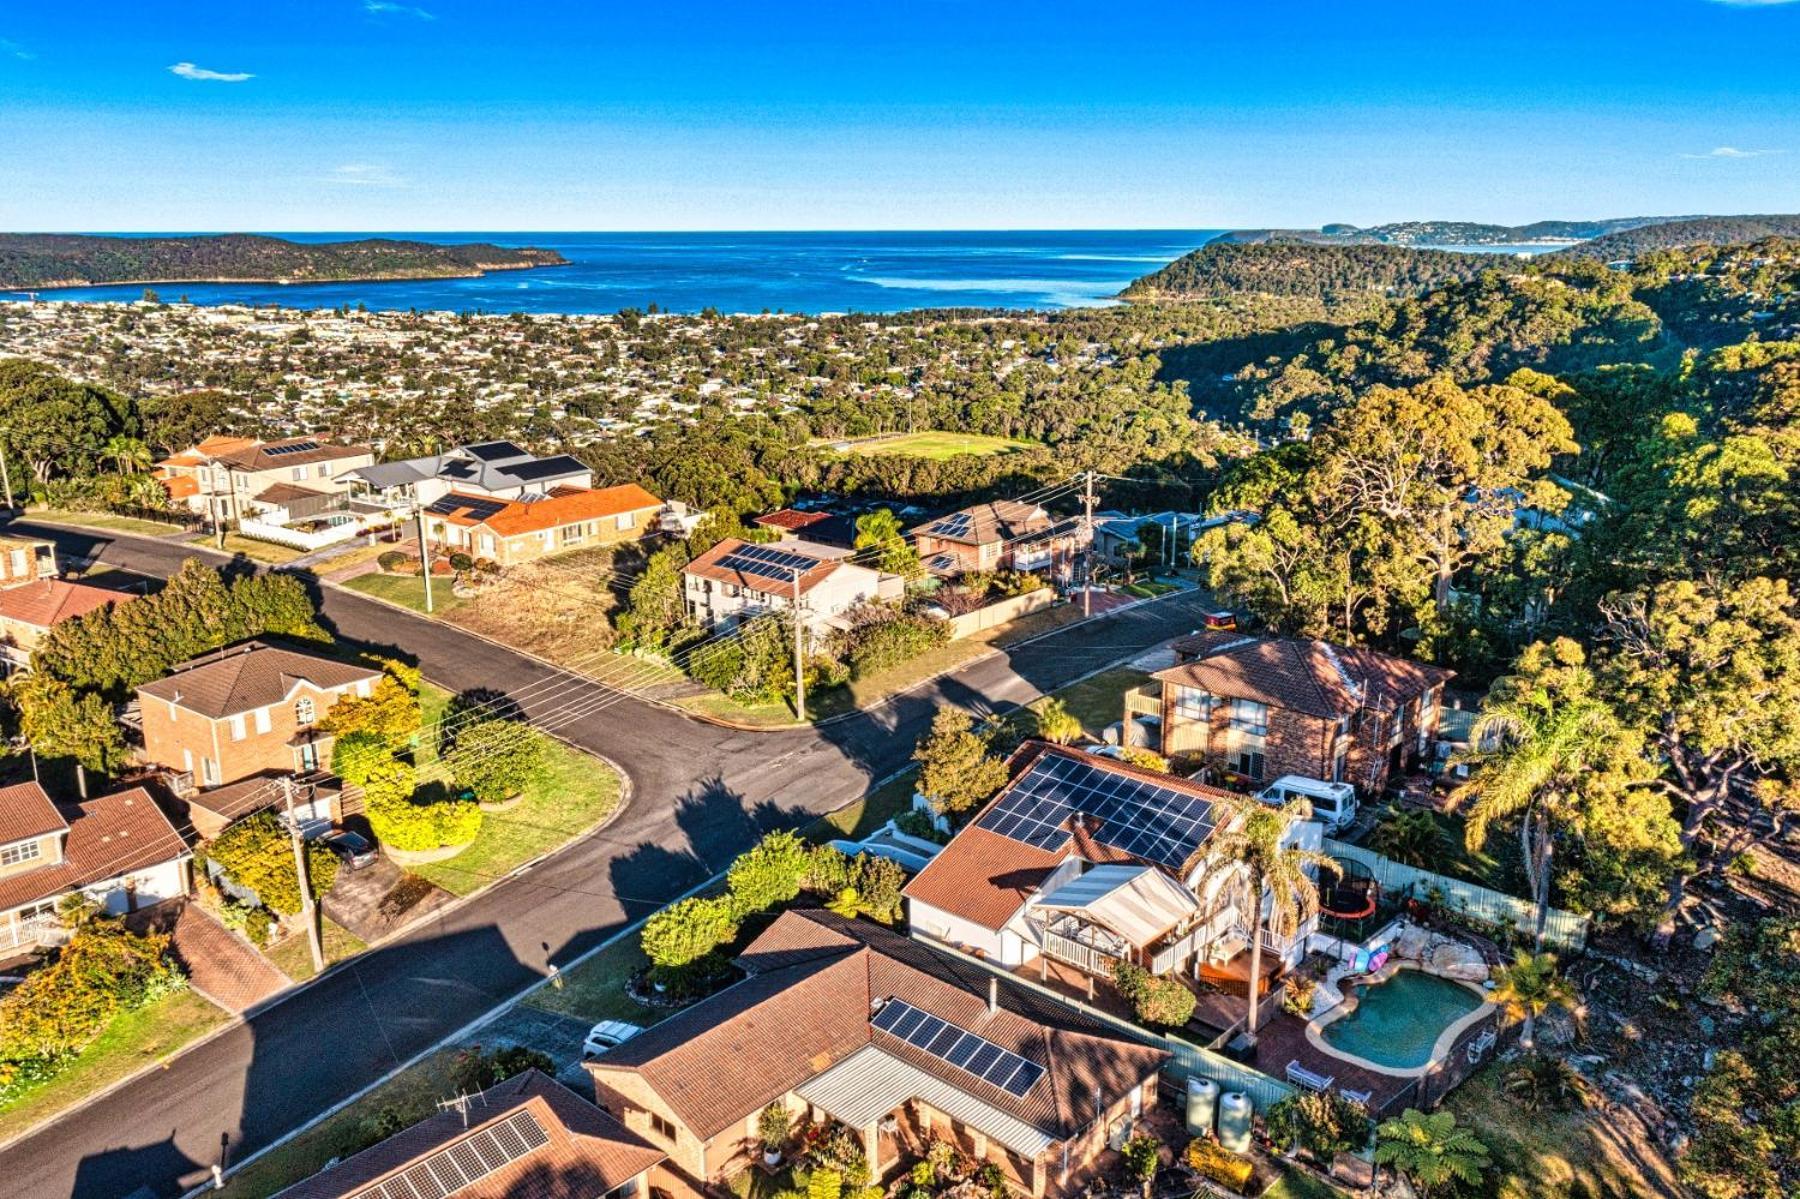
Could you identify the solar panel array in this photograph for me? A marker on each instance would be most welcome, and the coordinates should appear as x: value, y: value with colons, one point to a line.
x: 1149, y: 821
x: 461, y: 505
x: 964, y: 1050
x: 495, y: 451
x: 957, y: 524
x: 465, y: 1163
x: 766, y: 561
x: 297, y: 447
x: 542, y: 468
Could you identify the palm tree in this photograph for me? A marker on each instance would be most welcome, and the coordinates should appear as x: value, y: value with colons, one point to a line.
x: 1253, y: 838
x: 1056, y: 723
x: 1530, y: 987
x: 1430, y: 1150
x: 1411, y: 837
x: 1540, y: 731
x: 128, y: 453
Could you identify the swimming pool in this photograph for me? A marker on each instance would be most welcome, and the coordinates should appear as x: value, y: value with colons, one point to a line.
x: 1398, y: 1025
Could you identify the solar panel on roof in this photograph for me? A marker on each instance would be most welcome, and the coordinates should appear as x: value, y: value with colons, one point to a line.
x: 281, y: 451
x: 468, y: 1161
x: 766, y: 561
x: 543, y: 468
x: 972, y: 1054
x: 474, y: 507
x: 1156, y: 823
x: 955, y: 525
x: 495, y: 451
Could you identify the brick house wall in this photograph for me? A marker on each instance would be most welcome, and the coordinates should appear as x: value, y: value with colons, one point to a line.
x: 23, y: 561
x: 635, y: 1104
x: 235, y: 747
x: 482, y: 542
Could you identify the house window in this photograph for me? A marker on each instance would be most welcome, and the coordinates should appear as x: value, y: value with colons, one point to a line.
x: 627, y: 520
x: 573, y: 533
x: 663, y: 1128
x: 1192, y: 703
x: 209, y: 772
x: 237, y: 727
x: 324, y: 470
x: 262, y: 720
x: 18, y: 563
x: 308, y: 757
x: 1248, y: 762
x: 298, y: 474
x: 303, y: 710
x: 1248, y: 716
x: 1340, y: 761
x: 25, y: 851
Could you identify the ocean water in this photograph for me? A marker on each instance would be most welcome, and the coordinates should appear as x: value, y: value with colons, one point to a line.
x: 743, y: 272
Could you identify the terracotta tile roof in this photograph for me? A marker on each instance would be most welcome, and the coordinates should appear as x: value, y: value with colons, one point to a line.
x: 212, y: 446
x: 805, y: 1016
x: 706, y: 566
x: 250, y: 676
x: 588, y: 1152
x: 257, y: 456
x: 986, y: 877
x: 108, y: 836
x: 791, y: 519
x: 1300, y: 675
x: 26, y: 811
x: 248, y: 795
x: 46, y: 602
x: 563, y: 506
x: 1000, y: 520
x: 181, y: 486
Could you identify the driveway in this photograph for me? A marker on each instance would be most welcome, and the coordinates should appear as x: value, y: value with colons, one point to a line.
x: 701, y: 795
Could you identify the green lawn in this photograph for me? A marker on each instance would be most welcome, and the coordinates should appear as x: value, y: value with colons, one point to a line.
x: 106, y: 521
x: 937, y: 444
x: 576, y: 794
x: 130, y: 1042
x: 1099, y: 701
x: 402, y: 1101
x: 857, y: 820
x: 408, y: 591
x: 595, y: 990
x: 294, y: 959
x: 1298, y: 1184
x: 258, y: 551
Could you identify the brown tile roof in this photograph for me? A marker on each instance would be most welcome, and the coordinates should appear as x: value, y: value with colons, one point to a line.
x: 46, y: 602
x: 26, y: 811
x: 706, y: 566
x: 203, y: 453
x: 108, y: 836
x: 246, y: 796
x: 563, y: 506
x: 791, y: 519
x: 999, y: 520
x: 1300, y: 675
x: 249, y: 676
x: 795, y: 1020
x: 256, y: 456
x: 986, y: 877
x: 588, y: 1153
x: 287, y: 493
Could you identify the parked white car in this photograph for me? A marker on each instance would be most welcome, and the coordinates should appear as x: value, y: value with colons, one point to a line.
x: 606, y: 1035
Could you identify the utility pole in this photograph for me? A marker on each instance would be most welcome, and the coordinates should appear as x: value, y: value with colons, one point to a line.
x: 799, y: 654
x: 1087, y: 546
x: 306, y: 899
x: 6, y: 475
x: 425, y: 557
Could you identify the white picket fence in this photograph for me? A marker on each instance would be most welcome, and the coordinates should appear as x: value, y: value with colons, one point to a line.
x: 1564, y: 930
x: 341, y: 531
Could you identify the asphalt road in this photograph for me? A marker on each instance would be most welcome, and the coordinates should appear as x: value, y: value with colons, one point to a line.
x: 700, y: 795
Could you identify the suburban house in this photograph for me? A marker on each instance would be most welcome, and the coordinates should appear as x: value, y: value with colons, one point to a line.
x: 495, y: 469
x: 29, y: 611
x: 118, y: 849
x: 567, y: 518
x: 245, y: 710
x: 1086, y: 861
x: 1262, y: 707
x: 736, y: 580
x: 529, y: 1137
x: 998, y: 535
x: 239, y: 478
x: 318, y: 802
x: 26, y: 560
x: 845, y: 1022
x: 821, y: 528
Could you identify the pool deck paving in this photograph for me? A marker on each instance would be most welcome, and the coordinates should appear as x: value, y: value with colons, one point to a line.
x: 1283, y: 1040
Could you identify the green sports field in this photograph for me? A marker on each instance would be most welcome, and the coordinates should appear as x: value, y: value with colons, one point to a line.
x: 936, y: 444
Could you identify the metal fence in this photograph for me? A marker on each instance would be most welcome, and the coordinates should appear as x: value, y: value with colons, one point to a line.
x: 1477, y: 1045
x: 1564, y: 930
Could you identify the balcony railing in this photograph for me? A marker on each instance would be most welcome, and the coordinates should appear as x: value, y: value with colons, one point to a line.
x: 1144, y: 701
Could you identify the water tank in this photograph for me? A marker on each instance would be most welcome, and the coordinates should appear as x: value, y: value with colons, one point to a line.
x: 1202, y: 1103
x: 1235, y: 1110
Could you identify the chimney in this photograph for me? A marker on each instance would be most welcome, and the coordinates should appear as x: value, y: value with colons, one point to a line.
x: 993, y: 995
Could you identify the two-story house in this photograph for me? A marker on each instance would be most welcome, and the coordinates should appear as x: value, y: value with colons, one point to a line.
x: 567, y: 518
x: 738, y: 580
x: 1262, y: 707
x: 999, y: 535
x: 118, y: 849
x: 246, y: 710
x: 233, y: 479
x: 495, y: 469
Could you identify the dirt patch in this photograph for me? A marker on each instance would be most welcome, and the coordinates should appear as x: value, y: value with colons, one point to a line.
x: 379, y: 898
x: 562, y: 611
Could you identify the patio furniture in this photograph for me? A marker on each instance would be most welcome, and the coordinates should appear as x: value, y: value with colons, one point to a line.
x: 1361, y: 1097
x: 1300, y: 1076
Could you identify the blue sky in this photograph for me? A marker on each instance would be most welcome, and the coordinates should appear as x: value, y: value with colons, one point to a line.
x: 864, y: 114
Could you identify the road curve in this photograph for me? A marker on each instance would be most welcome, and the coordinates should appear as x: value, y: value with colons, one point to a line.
x: 701, y: 794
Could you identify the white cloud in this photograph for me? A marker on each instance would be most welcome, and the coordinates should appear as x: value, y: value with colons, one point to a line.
x: 363, y: 174
x: 388, y: 8
x: 188, y: 70
x: 1734, y: 152
x: 12, y: 49
x: 1751, y: 3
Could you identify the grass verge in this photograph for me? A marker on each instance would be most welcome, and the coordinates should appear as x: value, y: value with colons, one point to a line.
x: 1099, y: 701
x: 857, y: 820
x: 408, y: 591
x: 595, y: 990
x: 294, y: 959
x: 131, y: 1042
x: 105, y: 521
x: 576, y: 793
x: 258, y: 551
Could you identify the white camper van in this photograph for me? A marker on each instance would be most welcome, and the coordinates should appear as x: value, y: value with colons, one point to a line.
x: 1334, y: 804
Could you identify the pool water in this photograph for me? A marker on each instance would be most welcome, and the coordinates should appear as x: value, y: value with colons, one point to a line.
x: 1397, y: 1023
